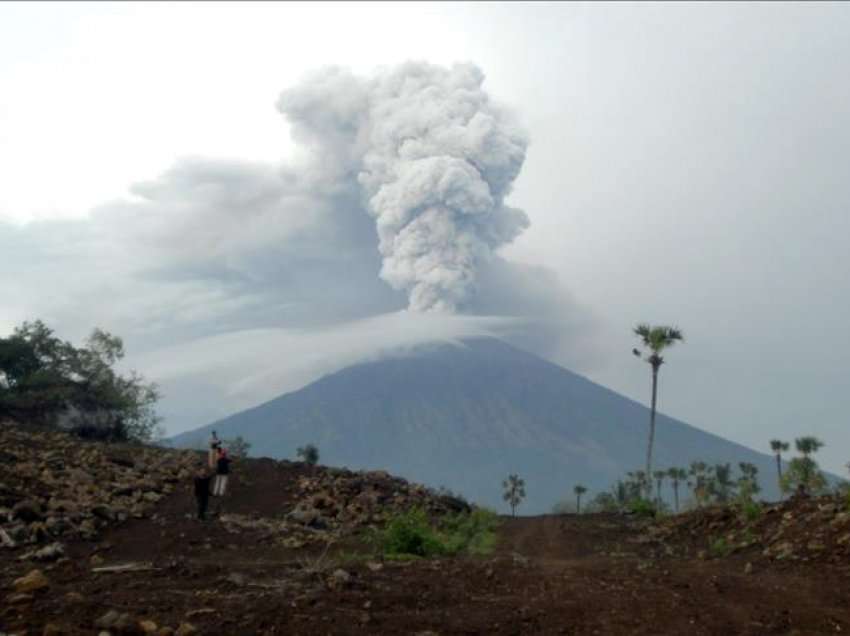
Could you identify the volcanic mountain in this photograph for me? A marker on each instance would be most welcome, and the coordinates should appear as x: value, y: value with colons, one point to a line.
x: 465, y: 415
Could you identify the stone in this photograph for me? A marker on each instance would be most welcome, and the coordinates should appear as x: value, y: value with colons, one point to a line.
x: 186, y: 629
x: 19, y: 599
x: 52, y: 629
x: 27, y: 511
x: 47, y: 553
x: 148, y: 626
x: 74, y: 597
x: 108, y: 620
x: 102, y: 511
x: 31, y: 582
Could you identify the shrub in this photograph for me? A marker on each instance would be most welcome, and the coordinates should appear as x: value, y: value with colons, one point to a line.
x: 472, y: 533
x: 642, y: 507
x: 308, y: 453
x: 750, y: 510
x: 719, y: 548
x: 412, y: 534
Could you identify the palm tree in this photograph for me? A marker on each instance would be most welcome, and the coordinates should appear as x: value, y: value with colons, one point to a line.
x: 579, y: 490
x: 659, y: 478
x: 777, y: 446
x: 808, y: 445
x: 656, y: 339
x: 699, y: 471
x: 676, y: 475
x: 723, y: 485
x: 748, y: 482
x: 514, y: 493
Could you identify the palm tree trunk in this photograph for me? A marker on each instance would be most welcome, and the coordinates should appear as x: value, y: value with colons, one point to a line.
x: 578, y: 504
x: 779, y: 472
x: 676, y: 494
x: 651, y: 429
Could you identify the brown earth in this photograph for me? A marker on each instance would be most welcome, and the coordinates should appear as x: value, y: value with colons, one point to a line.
x: 241, y: 573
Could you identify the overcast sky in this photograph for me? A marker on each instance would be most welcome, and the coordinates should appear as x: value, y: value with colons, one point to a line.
x: 191, y: 176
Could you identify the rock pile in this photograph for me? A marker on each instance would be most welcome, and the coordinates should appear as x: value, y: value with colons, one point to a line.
x: 803, y: 529
x: 54, y: 485
x: 331, y: 503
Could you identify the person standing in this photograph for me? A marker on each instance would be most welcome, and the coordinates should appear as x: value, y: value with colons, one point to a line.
x: 202, y: 490
x: 222, y: 473
x: 215, y: 446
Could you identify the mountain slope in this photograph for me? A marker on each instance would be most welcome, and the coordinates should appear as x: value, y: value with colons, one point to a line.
x: 464, y: 416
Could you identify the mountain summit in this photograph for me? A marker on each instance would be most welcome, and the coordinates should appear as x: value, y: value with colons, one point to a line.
x: 465, y: 415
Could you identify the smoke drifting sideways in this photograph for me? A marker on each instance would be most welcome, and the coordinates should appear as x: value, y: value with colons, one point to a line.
x: 435, y: 159
x: 399, y: 178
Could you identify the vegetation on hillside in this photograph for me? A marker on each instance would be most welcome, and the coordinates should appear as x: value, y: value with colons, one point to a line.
x: 46, y: 380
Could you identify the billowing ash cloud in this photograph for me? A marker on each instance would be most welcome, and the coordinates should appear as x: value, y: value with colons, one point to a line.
x: 238, y: 256
x: 435, y: 159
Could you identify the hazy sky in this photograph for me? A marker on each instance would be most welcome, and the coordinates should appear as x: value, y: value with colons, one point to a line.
x: 680, y: 163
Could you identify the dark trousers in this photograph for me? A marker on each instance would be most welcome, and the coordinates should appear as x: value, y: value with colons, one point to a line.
x: 203, y: 501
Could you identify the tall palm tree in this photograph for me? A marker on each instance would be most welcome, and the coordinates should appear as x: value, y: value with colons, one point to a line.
x: 579, y: 490
x: 659, y: 478
x: 676, y: 476
x: 655, y: 339
x: 777, y: 446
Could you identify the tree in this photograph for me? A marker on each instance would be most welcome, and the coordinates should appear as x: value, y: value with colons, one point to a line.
x: 308, y: 454
x: 656, y: 339
x: 603, y: 502
x: 579, y: 490
x: 803, y: 474
x: 238, y: 447
x: 721, y: 485
x: 514, y: 493
x: 777, y: 446
x: 748, y: 484
x: 676, y: 475
x: 699, y: 482
x: 638, y: 483
x: 49, y: 381
x: 659, y: 478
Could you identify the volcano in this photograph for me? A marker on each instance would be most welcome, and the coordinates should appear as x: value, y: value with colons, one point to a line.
x: 465, y: 415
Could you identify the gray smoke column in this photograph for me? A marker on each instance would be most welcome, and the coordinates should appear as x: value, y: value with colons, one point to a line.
x: 434, y: 159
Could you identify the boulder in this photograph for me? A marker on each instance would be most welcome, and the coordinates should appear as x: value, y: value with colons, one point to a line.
x: 28, y: 511
x: 34, y: 581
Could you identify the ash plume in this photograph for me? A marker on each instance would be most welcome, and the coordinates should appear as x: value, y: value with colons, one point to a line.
x: 434, y: 159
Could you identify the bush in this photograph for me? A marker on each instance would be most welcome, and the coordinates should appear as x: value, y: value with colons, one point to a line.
x: 412, y: 534
x: 642, y: 508
x: 750, y: 510
x: 472, y: 533
x: 719, y: 548
x: 308, y: 454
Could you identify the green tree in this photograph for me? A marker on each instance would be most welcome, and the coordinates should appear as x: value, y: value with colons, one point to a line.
x: 514, y: 491
x: 721, y: 484
x: 308, y: 454
x: 49, y: 381
x: 748, y: 484
x: 676, y: 475
x: 656, y: 339
x: 778, y: 446
x: 579, y: 490
x: 803, y: 474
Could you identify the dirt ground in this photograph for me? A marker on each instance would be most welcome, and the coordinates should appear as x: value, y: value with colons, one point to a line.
x: 589, y: 574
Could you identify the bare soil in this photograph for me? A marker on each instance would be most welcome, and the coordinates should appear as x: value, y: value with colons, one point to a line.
x: 588, y: 574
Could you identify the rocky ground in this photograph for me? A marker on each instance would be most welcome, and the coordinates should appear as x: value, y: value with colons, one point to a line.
x: 285, y: 555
